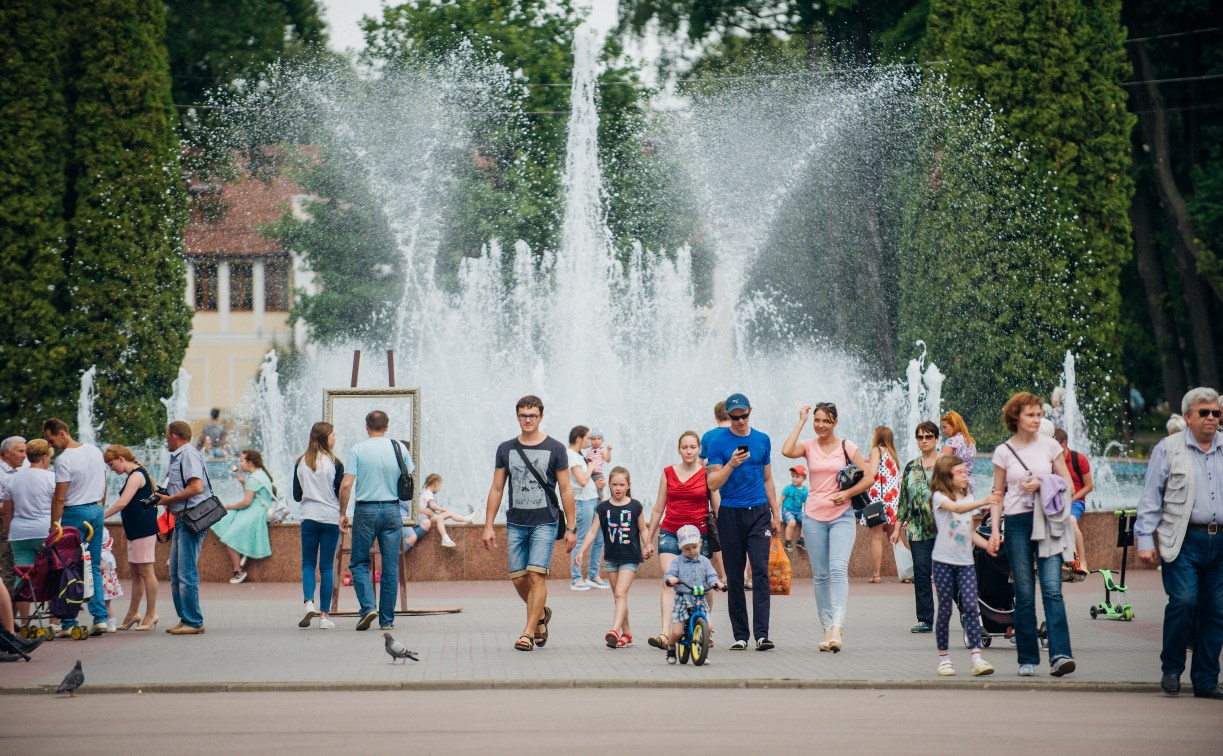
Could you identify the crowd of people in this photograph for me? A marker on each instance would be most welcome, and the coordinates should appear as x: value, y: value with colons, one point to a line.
x: 712, y: 523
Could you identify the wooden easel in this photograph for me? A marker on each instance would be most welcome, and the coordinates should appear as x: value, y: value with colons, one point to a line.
x: 344, y: 551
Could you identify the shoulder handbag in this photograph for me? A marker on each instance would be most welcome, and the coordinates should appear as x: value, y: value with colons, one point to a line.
x: 874, y: 513
x: 561, y: 526
x: 711, y: 521
x: 405, y: 487
x: 847, y: 477
x: 202, y: 516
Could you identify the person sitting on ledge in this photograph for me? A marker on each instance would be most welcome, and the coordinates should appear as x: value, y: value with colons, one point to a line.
x: 430, y: 510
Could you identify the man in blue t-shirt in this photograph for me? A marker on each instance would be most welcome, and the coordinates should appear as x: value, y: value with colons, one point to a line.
x: 739, y: 469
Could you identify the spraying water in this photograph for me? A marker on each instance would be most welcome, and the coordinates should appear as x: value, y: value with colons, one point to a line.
x: 86, y: 432
x: 178, y: 404
x: 273, y: 431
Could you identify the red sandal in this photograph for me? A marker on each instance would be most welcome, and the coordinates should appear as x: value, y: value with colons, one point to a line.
x: 626, y: 641
x: 613, y: 639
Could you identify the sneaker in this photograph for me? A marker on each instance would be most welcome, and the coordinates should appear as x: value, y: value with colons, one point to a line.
x: 310, y: 615
x: 802, y: 543
x: 98, y: 628
x: 945, y: 669
x: 366, y: 620
x: 671, y: 659
x: 579, y: 585
x: 981, y: 667
x: 739, y: 645
x: 1062, y: 665
x: 326, y: 624
x: 237, y: 577
x: 597, y: 583
x: 747, y: 585
x: 921, y: 627
x: 386, y: 627
x: 448, y: 543
x: 186, y: 630
x: 789, y: 547
x: 764, y: 644
x: 110, y: 626
x: 1026, y: 670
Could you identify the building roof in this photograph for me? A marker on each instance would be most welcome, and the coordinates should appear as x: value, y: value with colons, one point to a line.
x: 241, y: 209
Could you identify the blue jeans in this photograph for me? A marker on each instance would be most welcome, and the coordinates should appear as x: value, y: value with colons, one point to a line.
x: 319, y: 540
x: 585, y: 513
x: 1020, y: 551
x: 380, y: 520
x: 75, y: 517
x: 530, y: 547
x: 1194, y: 583
x: 829, y: 545
x: 185, y: 574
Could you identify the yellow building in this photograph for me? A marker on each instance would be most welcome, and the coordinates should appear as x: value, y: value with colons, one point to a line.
x: 240, y: 283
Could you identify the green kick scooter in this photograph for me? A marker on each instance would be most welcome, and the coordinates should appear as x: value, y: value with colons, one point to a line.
x: 1125, y: 539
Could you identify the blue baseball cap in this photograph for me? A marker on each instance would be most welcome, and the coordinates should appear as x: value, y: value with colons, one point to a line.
x: 737, y: 401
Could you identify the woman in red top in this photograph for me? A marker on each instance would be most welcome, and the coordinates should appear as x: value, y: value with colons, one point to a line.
x: 683, y: 499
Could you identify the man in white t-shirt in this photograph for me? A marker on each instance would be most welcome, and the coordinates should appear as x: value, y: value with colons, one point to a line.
x: 80, y: 498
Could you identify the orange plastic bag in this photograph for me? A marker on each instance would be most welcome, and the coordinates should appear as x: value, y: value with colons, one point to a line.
x: 779, y: 569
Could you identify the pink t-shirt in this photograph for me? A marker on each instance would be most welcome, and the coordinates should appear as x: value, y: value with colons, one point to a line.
x: 1038, y: 456
x: 822, y: 472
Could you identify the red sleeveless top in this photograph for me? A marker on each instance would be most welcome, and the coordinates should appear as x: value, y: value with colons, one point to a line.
x: 686, y: 501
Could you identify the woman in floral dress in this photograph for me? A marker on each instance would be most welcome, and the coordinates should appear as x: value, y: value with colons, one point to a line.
x: 885, y: 490
x: 959, y: 443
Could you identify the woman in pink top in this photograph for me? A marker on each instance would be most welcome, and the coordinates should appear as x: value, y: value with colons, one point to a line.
x: 1017, y: 464
x: 828, y: 520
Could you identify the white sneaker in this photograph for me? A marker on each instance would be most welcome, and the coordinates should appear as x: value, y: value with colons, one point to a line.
x: 110, y: 626
x: 310, y: 615
x: 238, y: 577
x: 982, y: 667
x: 579, y: 585
x: 326, y: 624
x: 945, y: 669
x: 448, y: 543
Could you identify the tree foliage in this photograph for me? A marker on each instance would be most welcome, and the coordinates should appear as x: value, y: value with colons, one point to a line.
x: 103, y: 209
x: 1053, y: 72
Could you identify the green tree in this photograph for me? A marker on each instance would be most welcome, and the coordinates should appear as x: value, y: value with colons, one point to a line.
x: 1053, y: 72
x: 122, y: 298
x: 33, y: 383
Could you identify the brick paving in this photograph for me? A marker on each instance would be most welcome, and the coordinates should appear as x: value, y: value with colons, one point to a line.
x: 252, y: 639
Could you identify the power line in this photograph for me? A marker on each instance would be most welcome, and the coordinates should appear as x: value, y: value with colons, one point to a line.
x: 1176, y: 80
x: 1174, y: 34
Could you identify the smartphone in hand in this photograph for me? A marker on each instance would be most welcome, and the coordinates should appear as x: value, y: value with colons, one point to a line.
x: 741, y: 448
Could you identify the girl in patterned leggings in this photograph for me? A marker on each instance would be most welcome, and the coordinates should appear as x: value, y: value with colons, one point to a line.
x: 953, y: 563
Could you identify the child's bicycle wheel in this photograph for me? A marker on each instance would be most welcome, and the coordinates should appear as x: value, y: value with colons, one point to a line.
x: 684, y: 651
x: 700, y: 641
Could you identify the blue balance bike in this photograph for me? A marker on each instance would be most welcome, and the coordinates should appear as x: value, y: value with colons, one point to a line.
x: 1125, y: 539
x: 695, y: 642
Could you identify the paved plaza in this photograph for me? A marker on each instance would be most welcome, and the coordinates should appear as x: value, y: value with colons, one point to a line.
x: 252, y: 639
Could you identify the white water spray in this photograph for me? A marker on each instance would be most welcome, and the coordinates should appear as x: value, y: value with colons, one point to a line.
x: 85, y: 430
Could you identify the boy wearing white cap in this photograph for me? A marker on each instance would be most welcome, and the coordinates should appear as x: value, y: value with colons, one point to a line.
x: 690, y: 568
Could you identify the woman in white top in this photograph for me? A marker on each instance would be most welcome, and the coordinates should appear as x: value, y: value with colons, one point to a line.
x: 585, y: 499
x: 1018, y: 465
x: 316, y: 484
x: 28, y: 502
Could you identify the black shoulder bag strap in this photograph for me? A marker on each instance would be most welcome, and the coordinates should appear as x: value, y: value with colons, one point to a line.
x: 405, y: 485
x: 1016, y: 455
x: 1074, y: 462
x: 548, y: 492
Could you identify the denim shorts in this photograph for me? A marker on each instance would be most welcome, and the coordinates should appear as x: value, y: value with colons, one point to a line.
x: 668, y: 543
x: 1078, y: 508
x: 530, y: 547
x: 610, y: 567
x: 789, y: 516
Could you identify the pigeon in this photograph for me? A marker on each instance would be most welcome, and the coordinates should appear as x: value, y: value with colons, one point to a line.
x: 72, y: 681
x: 397, y: 651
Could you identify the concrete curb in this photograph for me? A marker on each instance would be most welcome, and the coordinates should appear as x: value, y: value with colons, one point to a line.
x: 1061, y: 686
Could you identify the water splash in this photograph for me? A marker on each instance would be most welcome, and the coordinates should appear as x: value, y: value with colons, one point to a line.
x: 86, y: 432
x: 273, y: 427
x: 179, y: 402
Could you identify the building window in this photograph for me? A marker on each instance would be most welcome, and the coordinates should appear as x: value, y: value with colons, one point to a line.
x: 241, y: 292
x: 276, y: 285
x: 206, y: 286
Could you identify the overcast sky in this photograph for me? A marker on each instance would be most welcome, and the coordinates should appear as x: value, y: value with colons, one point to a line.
x: 342, y: 17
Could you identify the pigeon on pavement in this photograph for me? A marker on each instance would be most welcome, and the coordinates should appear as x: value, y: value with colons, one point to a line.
x: 397, y: 651
x: 72, y: 681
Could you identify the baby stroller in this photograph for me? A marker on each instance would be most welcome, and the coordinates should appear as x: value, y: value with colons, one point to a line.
x: 996, y: 594
x: 53, y: 584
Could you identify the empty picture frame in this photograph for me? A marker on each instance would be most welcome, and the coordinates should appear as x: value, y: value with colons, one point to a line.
x: 346, y: 408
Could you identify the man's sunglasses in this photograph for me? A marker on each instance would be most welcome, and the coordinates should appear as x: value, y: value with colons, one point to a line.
x: 740, y: 418
x: 1209, y: 413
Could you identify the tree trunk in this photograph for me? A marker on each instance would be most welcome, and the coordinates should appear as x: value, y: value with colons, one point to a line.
x: 1200, y: 326
x: 1151, y: 271
x: 1155, y: 136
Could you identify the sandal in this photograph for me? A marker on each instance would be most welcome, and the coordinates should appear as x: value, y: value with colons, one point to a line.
x: 612, y: 639
x: 524, y: 643
x: 542, y: 637
x: 626, y: 641
x: 659, y: 641
x: 876, y: 579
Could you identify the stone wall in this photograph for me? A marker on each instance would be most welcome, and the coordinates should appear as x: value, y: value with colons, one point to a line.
x: 470, y: 561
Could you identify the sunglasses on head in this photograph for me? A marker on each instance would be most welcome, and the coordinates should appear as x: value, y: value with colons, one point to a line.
x: 1209, y: 413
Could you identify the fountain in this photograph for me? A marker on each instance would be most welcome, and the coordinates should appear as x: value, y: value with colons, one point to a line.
x: 178, y: 404
x: 86, y: 433
x: 273, y: 433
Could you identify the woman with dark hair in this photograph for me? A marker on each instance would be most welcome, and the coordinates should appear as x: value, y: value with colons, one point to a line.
x: 585, y: 499
x: 916, y: 516
x: 245, y: 532
x: 828, y: 520
x: 1020, y: 465
x: 885, y: 490
x: 317, y: 475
